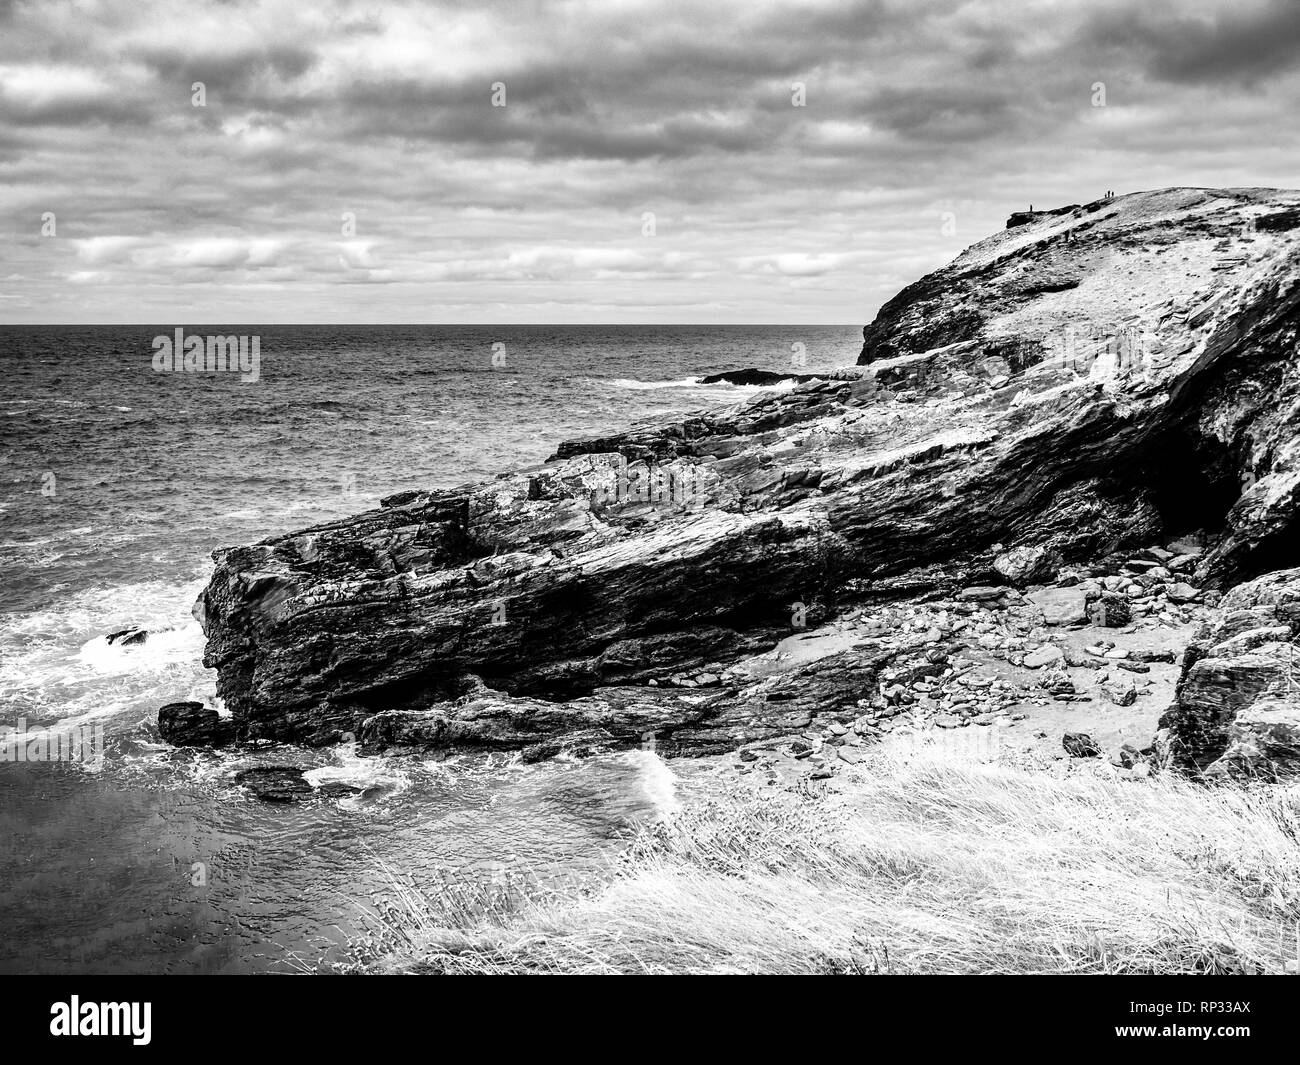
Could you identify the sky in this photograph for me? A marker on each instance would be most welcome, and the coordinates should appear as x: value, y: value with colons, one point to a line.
x: 732, y: 161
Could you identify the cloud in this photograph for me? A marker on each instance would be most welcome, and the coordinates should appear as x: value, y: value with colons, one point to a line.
x: 1205, y: 44
x: 913, y: 112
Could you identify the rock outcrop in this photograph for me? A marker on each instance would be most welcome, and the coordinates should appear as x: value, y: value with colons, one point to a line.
x: 1066, y: 391
x: 1238, y: 710
x: 190, y: 724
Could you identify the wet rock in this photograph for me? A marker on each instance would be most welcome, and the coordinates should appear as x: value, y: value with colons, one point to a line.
x: 338, y: 790
x: 754, y: 376
x: 127, y: 637
x: 280, y: 783
x: 189, y: 724
x: 1080, y: 745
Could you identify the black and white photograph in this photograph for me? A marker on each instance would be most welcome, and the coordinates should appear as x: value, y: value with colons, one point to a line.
x: 643, y: 487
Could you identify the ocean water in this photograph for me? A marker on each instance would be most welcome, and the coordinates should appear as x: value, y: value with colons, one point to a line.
x: 116, y: 483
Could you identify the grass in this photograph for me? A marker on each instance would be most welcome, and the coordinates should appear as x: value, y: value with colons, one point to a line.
x: 928, y: 863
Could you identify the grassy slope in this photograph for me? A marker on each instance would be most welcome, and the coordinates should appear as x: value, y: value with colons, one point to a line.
x: 929, y: 863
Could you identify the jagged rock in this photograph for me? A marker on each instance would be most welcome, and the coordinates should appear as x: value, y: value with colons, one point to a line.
x: 1121, y: 692
x: 188, y: 724
x: 278, y: 783
x: 1239, y: 689
x: 126, y: 637
x: 1080, y: 745
x: 1138, y: 398
x: 1263, y: 741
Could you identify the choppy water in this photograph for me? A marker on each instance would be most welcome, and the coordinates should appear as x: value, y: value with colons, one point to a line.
x: 116, y: 482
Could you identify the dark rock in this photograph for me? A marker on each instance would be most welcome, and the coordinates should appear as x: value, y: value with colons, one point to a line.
x: 1112, y: 610
x: 188, y: 724
x: 1278, y: 221
x: 1020, y: 218
x: 125, y: 637
x: 753, y: 376
x: 338, y: 790
x: 1080, y: 745
x: 278, y: 783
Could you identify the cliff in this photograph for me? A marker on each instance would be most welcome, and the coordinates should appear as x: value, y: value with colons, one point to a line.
x: 1063, y: 393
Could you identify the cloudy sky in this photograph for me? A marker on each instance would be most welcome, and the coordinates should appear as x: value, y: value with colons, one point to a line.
x: 649, y: 164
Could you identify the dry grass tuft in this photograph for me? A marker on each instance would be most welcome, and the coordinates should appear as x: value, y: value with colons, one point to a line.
x: 930, y: 863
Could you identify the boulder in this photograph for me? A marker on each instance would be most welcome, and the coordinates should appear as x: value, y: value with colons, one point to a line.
x: 1046, y: 655
x: 1027, y: 565
x: 1263, y: 741
x: 1120, y: 691
x: 277, y: 783
x: 1061, y: 606
x: 1080, y: 745
x: 1111, y: 610
x: 188, y: 724
x: 1182, y: 592
x: 1240, y: 683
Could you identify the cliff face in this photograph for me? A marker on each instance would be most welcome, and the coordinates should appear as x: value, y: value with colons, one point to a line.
x: 1073, y: 387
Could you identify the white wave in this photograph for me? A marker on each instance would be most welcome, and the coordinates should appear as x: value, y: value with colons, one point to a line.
x: 359, y: 772
x: 160, y: 649
x: 52, y: 539
x: 658, y: 782
x: 56, y: 664
x: 626, y: 382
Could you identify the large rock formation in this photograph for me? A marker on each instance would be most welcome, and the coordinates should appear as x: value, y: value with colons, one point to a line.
x: 1238, y: 710
x: 1067, y: 389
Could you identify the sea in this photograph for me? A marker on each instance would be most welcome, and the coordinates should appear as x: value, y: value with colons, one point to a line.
x: 119, y: 478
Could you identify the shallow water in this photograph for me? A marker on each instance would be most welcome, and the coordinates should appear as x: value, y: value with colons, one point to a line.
x: 153, y: 860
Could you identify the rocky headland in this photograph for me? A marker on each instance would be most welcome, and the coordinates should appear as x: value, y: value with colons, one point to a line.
x: 1056, y: 502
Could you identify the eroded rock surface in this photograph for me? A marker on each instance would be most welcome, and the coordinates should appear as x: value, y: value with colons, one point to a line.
x: 1071, y: 389
x: 1238, y: 710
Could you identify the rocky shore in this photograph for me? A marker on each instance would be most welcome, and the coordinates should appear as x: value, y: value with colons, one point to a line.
x: 1055, y: 502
